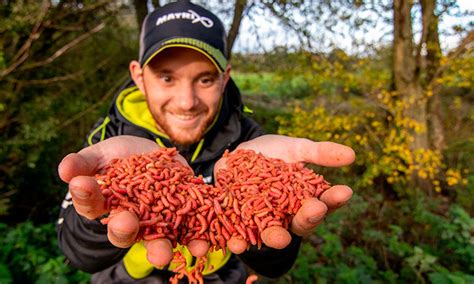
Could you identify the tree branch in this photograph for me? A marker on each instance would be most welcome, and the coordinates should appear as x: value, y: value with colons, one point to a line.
x: 49, y: 80
x: 60, y: 78
x: 23, y: 53
x: 64, y: 49
x: 300, y: 30
x: 465, y: 45
x: 257, y: 35
x: 234, y: 28
x: 84, y: 10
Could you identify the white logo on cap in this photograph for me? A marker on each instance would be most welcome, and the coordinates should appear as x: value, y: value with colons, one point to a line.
x: 190, y: 15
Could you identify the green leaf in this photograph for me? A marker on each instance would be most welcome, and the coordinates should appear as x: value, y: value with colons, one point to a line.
x: 438, y: 278
x: 456, y: 279
x: 5, y: 275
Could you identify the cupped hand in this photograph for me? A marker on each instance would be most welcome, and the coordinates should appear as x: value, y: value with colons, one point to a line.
x: 79, y: 169
x: 313, y: 210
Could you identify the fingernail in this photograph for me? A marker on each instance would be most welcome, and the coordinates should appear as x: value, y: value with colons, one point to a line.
x: 82, y: 194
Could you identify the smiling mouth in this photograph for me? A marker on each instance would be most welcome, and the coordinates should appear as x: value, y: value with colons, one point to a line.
x: 185, y: 116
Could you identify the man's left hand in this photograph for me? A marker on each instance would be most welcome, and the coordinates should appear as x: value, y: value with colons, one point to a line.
x: 313, y: 210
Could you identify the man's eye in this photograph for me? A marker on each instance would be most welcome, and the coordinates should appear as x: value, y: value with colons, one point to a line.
x: 166, y: 78
x: 207, y: 81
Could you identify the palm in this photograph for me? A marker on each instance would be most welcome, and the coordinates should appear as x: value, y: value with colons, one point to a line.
x: 293, y: 150
x: 78, y: 169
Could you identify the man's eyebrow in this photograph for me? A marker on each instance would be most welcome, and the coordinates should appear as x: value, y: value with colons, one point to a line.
x: 162, y: 71
x: 209, y: 73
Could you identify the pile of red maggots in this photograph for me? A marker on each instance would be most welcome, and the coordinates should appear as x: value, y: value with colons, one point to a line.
x: 168, y: 200
x: 264, y: 192
x: 252, y: 193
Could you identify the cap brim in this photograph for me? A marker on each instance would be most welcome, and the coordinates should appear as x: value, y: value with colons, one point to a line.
x: 213, y: 54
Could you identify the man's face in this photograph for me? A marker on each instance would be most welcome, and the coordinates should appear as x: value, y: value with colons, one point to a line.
x: 183, y: 89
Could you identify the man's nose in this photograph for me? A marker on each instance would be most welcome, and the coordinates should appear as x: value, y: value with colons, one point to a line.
x: 186, y: 97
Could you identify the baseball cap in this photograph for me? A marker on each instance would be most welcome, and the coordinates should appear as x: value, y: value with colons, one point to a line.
x: 183, y: 24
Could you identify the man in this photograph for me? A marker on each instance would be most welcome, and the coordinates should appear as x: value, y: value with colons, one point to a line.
x: 181, y: 96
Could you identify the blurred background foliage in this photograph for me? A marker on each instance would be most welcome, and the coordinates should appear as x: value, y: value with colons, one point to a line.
x: 411, y: 217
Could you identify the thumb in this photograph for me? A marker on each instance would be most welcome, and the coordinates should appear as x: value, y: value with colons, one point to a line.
x: 74, y: 165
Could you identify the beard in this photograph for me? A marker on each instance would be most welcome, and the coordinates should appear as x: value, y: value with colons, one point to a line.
x: 186, y: 137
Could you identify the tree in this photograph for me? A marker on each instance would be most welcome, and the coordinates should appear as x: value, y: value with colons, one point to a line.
x: 417, y: 66
x: 141, y: 10
x: 51, y: 75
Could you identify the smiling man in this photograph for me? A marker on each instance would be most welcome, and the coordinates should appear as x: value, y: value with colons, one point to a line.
x: 180, y: 95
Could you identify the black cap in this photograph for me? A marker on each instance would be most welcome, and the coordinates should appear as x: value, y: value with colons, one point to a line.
x: 183, y: 24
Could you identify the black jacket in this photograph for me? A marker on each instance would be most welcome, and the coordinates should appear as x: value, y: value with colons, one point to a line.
x: 85, y: 242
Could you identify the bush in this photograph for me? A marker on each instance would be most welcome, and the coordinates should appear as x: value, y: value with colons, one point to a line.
x: 376, y: 241
x: 274, y: 85
x: 30, y: 254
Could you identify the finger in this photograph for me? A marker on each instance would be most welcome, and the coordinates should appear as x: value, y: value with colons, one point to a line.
x: 220, y: 164
x: 310, y: 214
x: 327, y: 154
x: 74, y: 165
x: 86, y: 197
x: 90, y: 159
x: 198, y: 248
x: 237, y: 245
x: 123, y: 229
x: 276, y: 237
x: 159, y: 252
x: 337, y: 196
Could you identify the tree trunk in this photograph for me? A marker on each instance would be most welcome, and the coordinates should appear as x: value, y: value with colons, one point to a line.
x: 430, y: 39
x: 156, y: 3
x: 430, y: 62
x: 436, y: 128
x: 406, y: 76
x: 234, y: 28
x: 404, y: 65
x: 141, y: 10
x: 406, y: 71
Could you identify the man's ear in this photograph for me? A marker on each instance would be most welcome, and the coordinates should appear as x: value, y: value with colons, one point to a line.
x: 227, y: 74
x: 136, y: 72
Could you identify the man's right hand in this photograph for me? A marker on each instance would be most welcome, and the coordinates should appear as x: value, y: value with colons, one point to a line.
x: 79, y: 170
